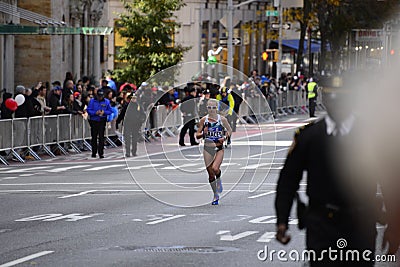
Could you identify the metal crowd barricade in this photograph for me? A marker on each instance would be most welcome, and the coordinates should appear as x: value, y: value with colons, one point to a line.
x: 165, y: 121
x: 320, y: 104
x: 6, y: 139
x: 86, y: 134
x: 35, y: 134
x: 63, y: 131
x: 108, y: 133
x: 50, y: 126
x: 281, y: 108
x: 290, y: 101
x: 76, y: 134
x: 20, y: 136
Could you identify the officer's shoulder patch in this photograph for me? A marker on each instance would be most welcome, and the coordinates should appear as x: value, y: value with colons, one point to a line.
x: 300, y: 129
x: 297, y: 133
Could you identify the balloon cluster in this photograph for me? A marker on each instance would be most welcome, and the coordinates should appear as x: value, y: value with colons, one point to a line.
x: 12, y: 104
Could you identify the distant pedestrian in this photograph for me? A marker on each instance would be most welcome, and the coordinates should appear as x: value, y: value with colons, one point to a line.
x: 98, y: 110
x: 312, y: 95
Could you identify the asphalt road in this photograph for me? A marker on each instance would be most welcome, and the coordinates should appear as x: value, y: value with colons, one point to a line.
x: 151, y: 210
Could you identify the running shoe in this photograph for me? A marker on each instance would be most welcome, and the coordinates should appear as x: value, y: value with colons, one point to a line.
x: 215, y: 200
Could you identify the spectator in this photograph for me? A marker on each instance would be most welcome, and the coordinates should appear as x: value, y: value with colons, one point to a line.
x: 55, y: 101
x: 203, y: 103
x: 41, y: 97
x: 37, y: 107
x: 79, y: 106
x: 68, y: 77
x: 26, y: 109
x: 111, y: 83
x: 56, y: 83
x: 104, y: 86
x: 5, y: 112
x: 68, y: 88
x: 69, y: 105
x: 85, y: 83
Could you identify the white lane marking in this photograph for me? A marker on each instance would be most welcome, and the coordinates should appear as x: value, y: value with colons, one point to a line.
x: 290, y: 120
x: 27, y: 258
x: 27, y: 174
x: 229, y: 237
x: 73, y: 217
x: 166, y: 219
x: 255, y: 166
x: 222, y: 165
x: 144, y: 166
x: 68, y: 168
x: 262, y: 143
x: 179, y: 167
x: 26, y: 170
x: 257, y: 155
x: 79, y: 194
x: 104, y: 167
x: 8, y: 178
x: 4, y: 230
x: 272, y: 168
x: 294, y: 125
x: 267, y: 237
x: 223, y: 232
x: 263, y: 194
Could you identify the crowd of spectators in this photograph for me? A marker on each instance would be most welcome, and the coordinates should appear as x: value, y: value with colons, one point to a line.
x: 70, y: 97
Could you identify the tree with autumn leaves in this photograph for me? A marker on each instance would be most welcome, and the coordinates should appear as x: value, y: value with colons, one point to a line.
x: 149, y: 27
x: 332, y: 20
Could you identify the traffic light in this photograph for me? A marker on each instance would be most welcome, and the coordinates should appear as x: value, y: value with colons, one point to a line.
x: 265, y: 56
x: 270, y: 55
x: 392, y: 52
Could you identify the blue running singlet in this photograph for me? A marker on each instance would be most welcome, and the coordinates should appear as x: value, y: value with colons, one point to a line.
x: 215, y: 130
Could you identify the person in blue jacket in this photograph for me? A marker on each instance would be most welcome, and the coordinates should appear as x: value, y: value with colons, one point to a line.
x: 98, y: 110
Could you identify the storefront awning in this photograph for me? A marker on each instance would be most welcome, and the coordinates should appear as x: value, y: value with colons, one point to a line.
x: 294, y: 44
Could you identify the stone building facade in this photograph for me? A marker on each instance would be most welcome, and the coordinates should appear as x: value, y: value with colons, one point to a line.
x: 27, y: 59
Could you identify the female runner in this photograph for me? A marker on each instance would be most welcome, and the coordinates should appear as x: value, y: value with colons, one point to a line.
x: 214, y: 129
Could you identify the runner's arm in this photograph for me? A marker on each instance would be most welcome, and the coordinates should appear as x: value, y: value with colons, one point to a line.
x: 200, y: 134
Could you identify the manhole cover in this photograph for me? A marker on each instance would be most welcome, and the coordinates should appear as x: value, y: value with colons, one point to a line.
x: 176, y: 249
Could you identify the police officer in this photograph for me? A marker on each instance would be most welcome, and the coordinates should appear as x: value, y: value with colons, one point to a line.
x: 189, y: 111
x: 98, y: 110
x: 133, y: 116
x: 342, y: 209
x: 312, y: 94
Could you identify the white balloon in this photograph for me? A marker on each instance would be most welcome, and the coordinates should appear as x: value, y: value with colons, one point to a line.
x: 20, y: 99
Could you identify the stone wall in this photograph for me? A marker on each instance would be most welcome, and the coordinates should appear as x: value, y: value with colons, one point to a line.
x: 32, y: 52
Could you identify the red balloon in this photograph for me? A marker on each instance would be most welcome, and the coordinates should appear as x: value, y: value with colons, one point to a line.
x: 11, y: 104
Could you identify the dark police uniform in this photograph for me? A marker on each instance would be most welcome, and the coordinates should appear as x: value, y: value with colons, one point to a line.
x: 188, y: 108
x: 334, y: 212
x: 133, y: 116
